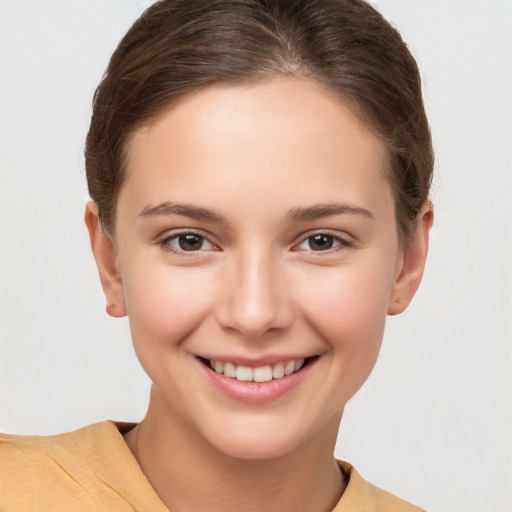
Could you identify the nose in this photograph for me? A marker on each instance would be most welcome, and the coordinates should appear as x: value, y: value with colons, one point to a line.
x: 255, y: 300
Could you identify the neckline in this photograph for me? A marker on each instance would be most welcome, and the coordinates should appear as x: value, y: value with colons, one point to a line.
x: 132, y: 483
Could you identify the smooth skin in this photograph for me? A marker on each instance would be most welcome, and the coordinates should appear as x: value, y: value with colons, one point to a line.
x: 255, y: 222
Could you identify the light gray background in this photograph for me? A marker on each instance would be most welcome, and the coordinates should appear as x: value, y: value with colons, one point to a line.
x: 434, y: 421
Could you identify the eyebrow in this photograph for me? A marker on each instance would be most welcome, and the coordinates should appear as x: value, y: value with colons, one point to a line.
x: 185, y: 210
x: 295, y: 215
x: 326, y: 210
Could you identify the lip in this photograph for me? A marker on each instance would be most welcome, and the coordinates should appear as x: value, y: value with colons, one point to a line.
x: 255, y: 392
x: 254, y: 362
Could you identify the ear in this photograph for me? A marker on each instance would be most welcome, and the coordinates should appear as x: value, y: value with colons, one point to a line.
x: 105, y: 255
x: 413, y: 263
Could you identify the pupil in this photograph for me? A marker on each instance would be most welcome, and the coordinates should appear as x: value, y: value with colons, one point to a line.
x: 190, y: 242
x: 320, y: 242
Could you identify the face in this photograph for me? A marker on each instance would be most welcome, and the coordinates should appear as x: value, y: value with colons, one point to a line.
x: 257, y: 257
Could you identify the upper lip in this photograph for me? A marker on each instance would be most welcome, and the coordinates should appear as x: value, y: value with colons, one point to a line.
x: 257, y: 361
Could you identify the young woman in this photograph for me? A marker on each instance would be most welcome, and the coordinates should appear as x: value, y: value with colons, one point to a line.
x: 259, y: 174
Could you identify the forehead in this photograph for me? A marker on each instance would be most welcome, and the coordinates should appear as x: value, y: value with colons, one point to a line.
x: 284, y: 135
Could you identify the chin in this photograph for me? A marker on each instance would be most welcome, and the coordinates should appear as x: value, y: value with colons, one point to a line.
x: 256, y: 440
x: 254, y: 447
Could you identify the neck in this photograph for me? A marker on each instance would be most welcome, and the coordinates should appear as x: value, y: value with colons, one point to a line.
x: 189, y: 474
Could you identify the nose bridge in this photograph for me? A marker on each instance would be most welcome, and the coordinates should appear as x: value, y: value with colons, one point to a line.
x: 256, y: 300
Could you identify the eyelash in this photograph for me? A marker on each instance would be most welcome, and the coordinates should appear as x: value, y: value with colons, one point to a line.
x: 166, y: 243
x: 338, y: 242
x: 341, y: 243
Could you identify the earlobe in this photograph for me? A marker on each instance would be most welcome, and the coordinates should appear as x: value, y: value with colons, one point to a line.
x: 106, y: 260
x: 414, y: 257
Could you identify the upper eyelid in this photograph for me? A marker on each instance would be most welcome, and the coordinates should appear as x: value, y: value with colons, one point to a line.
x: 344, y: 237
x: 329, y: 232
x: 173, y: 233
x: 165, y: 239
x: 346, y: 241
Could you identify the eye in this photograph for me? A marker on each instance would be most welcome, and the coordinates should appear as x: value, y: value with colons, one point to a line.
x: 187, y: 242
x: 322, y: 242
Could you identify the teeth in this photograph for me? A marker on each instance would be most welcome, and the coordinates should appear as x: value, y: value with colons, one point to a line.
x: 258, y: 374
x: 244, y: 373
x: 229, y: 370
x: 289, y: 368
x: 263, y: 374
x: 278, y: 371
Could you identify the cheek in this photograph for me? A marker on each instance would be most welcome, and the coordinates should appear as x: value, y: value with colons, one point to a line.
x: 348, y: 308
x: 350, y: 315
x: 165, y: 304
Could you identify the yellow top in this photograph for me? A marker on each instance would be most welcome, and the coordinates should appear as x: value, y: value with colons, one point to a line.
x: 92, y: 469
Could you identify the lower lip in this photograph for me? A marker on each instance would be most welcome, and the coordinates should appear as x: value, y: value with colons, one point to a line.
x: 256, y: 392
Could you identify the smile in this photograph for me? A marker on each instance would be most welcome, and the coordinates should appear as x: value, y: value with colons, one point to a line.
x: 259, y: 373
x: 245, y: 382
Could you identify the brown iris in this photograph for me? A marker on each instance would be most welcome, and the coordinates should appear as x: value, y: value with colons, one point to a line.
x: 190, y: 242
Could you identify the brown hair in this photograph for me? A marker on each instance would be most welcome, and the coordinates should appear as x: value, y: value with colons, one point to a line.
x: 177, y: 46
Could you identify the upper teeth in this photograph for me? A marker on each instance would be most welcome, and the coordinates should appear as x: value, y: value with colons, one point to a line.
x: 259, y: 373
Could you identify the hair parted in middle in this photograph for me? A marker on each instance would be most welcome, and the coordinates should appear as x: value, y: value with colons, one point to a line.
x: 180, y: 46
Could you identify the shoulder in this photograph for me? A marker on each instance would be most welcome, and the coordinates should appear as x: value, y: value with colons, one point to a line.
x: 52, y: 469
x: 362, y: 496
x: 61, y: 448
